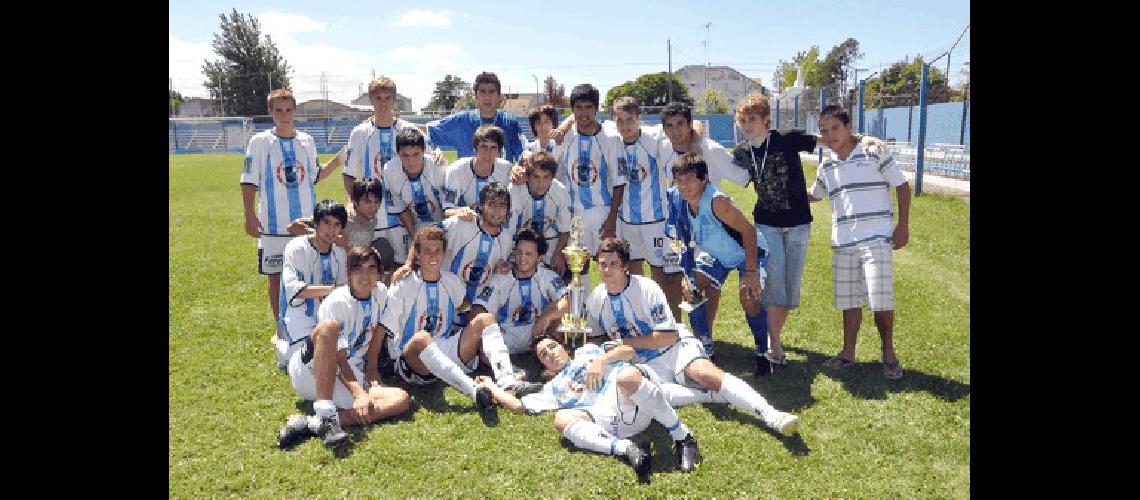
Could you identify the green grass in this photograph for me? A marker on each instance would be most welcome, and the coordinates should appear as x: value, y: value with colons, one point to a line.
x: 861, y: 436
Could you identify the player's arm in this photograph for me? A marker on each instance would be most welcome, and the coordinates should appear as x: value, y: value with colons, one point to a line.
x: 558, y: 260
x: 560, y: 131
x: 408, y: 221
x: 503, y: 398
x: 553, y: 311
x: 733, y: 218
x: 609, y: 227
x: 361, y: 403
x: 248, y: 202
x: 655, y: 340
x: 596, y: 367
x: 818, y: 189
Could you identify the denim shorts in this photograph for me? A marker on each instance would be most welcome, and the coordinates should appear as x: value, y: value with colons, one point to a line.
x: 787, y: 255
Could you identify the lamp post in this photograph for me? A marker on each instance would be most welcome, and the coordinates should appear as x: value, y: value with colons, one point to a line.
x: 537, y: 89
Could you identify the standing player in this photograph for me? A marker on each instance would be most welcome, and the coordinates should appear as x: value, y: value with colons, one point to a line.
x: 631, y: 310
x: 603, y: 399
x: 518, y: 299
x: 542, y: 120
x: 414, y: 181
x: 456, y: 130
x: 312, y: 267
x: 424, y: 338
x: 281, y: 171
x: 337, y: 367
x: 543, y: 204
x: 592, y: 179
x: 371, y: 145
x: 466, y: 177
x: 677, y: 123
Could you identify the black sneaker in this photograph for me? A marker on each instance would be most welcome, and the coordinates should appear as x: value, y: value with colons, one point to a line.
x: 484, y: 399
x: 763, y: 367
x: 295, y: 430
x: 331, y: 433
x: 640, y: 457
x: 688, y: 455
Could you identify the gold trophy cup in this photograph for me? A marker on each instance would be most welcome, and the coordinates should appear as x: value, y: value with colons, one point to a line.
x: 698, y: 298
x: 574, y: 322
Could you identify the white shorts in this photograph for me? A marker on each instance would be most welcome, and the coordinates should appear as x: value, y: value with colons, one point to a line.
x: 269, y: 253
x: 592, y: 221
x: 646, y: 241
x: 449, y: 346
x: 397, y: 236
x: 305, y: 381
x: 669, y: 367
x: 618, y: 414
x: 864, y: 273
x: 517, y: 338
x: 285, y: 351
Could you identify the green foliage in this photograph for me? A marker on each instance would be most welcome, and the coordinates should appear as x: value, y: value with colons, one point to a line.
x: 555, y: 93
x: 712, y: 103
x: 240, y: 79
x: 839, y: 64
x: 651, y: 89
x: 175, y: 103
x: 898, y: 85
x: 448, y: 92
x: 836, y: 67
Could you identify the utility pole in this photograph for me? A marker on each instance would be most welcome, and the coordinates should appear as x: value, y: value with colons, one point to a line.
x: 706, y: 89
x: 269, y: 78
x: 669, y: 85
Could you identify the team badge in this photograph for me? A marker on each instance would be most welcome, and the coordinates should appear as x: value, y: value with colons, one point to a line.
x: 657, y: 312
x: 248, y: 165
x: 290, y: 175
x: 486, y: 292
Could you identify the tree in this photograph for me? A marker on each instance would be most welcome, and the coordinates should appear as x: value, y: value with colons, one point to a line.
x: 840, y: 62
x: 713, y: 103
x: 448, y: 92
x: 555, y: 93
x: 241, y: 78
x: 898, y: 86
x: 786, y: 72
x: 466, y: 102
x: 175, y: 102
x: 651, y: 90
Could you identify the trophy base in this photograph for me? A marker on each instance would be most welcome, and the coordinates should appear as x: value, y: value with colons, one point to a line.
x: 573, y: 336
x: 687, y: 307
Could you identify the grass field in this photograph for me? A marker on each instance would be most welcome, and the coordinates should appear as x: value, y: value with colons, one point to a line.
x: 861, y: 435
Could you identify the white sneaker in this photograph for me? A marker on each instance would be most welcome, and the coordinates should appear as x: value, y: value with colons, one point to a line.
x: 785, y: 423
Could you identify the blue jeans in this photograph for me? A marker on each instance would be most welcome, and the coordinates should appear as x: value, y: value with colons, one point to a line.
x: 787, y: 255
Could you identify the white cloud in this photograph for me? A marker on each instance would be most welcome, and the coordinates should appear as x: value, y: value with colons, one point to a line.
x: 283, y: 23
x: 416, y: 18
x: 429, y: 57
x: 186, y: 60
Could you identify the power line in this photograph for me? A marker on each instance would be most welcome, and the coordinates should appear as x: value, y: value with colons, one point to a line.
x: 952, y: 46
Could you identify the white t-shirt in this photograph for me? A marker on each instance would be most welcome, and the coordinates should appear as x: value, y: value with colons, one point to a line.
x: 534, y: 147
x: 356, y: 318
x: 587, y: 170
x: 424, y: 193
x: 415, y: 305
x: 517, y: 302
x: 302, y: 265
x: 548, y: 214
x: 461, y: 187
x: 472, y: 253
x: 637, y: 311
x: 860, y: 192
x: 718, y: 159
x: 568, y: 388
x: 284, y: 170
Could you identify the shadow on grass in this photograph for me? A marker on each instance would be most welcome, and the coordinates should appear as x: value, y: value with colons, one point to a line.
x: 356, y: 433
x: 660, y: 463
x: 865, y: 379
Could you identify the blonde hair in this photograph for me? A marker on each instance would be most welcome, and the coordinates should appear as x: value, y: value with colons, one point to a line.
x: 754, y: 104
x: 381, y: 83
x: 279, y: 94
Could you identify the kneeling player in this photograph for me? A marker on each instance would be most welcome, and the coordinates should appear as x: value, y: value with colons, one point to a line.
x: 631, y: 310
x: 424, y: 340
x: 602, y: 401
x: 343, y: 351
x: 520, y: 298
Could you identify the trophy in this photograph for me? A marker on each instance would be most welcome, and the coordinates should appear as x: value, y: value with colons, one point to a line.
x: 687, y: 284
x: 574, y: 322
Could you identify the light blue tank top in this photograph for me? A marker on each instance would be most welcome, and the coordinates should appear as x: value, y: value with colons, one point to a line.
x: 711, y: 234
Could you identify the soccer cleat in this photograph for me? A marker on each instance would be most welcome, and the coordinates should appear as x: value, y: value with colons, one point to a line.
x: 295, y: 430
x: 763, y: 367
x: 330, y: 431
x: 785, y: 423
x: 640, y: 457
x: 484, y: 399
x: 688, y: 454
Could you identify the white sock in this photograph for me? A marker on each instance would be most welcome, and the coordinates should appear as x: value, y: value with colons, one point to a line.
x: 650, y: 399
x: 743, y: 396
x: 496, y: 351
x: 322, y: 408
x: 443, y: 367
x: 679, y: 395
x: 588, y: 435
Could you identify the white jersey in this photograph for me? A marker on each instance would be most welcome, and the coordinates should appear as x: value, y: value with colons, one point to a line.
x: 472, y: 253
x: 303, y: 265
x: 357, y: 318
x: 568, y: 387
x: 718, y: 159
x: 424, y: 193
x: 284, y: 171
x: 548, y: 214
x: 461, y: 186
x: 415, y: 305
x: 517, y: 302
x: 370, y: 148
x: 585, y: 167
x: 646, y: 179
x: 638, y: 310
x: 534, y: 147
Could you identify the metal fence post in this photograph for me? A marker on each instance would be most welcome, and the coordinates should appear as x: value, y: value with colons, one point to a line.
x: 862, y: 87
x: 175, y: 125
x: 777, y: 114
x: 921, y: 130
x: 796, y: 114
x: 822, y: 104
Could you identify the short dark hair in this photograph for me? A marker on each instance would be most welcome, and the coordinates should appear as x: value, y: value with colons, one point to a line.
x: 585, y: 91
x: 331, y: 208
x: 368, y: 185
x: 537, y: 113
x: 358, y: 256
x: 409, y: 137
x: 677, y: 108
x: 835, y: 112
x: 529, y: 234
x: 488, y: 133
x: 494, y: 189
x: 542, y: 160
x: 540, y: 338
x: 615, y: 244
x: 691, y: 163
x: 487, y: 77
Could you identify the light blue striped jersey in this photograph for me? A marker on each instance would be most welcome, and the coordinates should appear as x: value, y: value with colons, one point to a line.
x: 415, y: 305
x: 472, y: 253
x: 517, y: 302
x: 356, y: 319
x: 424, y: 194
x: 284, y: 170
x: 568, y: 387
x: 369, y: 149
x: 303, y: 265
x: 638, y: 310
x: 461, y: 185
x: 646, y: 179
x: 587, y: 169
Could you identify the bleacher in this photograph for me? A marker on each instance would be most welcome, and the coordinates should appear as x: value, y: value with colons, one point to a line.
x: 951, y: 160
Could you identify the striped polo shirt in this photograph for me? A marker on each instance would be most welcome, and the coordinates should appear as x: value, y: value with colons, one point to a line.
x: 860, y: 191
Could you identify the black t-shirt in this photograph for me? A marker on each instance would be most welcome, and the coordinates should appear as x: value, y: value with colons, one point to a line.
x: 781, y: 193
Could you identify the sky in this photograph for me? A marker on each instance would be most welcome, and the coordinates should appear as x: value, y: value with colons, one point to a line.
x: 604, y: 43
